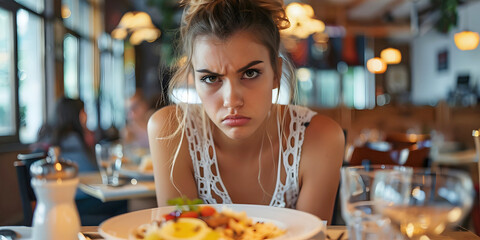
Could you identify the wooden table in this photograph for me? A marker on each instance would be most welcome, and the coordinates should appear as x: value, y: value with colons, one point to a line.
x: 90, y: 183
x: 334, y: 232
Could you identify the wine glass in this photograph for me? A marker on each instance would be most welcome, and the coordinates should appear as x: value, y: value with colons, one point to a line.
x: 361, y: 212
x: 423, y: 202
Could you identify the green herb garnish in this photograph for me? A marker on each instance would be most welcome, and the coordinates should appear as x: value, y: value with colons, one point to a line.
x: 185, y: 204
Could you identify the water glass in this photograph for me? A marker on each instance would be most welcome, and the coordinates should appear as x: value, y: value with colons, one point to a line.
x: 425, y: 202
x: 362, y: 213
x: 368, y: 224
x: 109, y: 160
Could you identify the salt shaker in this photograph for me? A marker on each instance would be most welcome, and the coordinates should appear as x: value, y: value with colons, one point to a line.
x: 54, y: 182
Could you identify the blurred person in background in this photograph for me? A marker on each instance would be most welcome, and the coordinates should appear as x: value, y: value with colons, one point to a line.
x: 67, y: 129
x: 134, y: 135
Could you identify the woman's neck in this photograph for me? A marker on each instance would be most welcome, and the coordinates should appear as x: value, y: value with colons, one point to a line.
x: 251, y: 147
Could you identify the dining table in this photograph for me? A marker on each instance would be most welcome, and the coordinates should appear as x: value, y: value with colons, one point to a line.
x: 130, y: 187
x: 334, y: 232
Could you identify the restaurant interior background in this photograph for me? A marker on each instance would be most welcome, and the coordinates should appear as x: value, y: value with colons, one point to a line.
x: 85, y: 49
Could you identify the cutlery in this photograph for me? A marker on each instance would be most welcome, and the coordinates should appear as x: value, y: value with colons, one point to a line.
x: 82, y: 237
x: 7, y: 234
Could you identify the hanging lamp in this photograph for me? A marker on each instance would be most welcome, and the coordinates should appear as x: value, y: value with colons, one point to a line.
x: 466, y: 40
x: 391, y: 56
x: 376, y: 65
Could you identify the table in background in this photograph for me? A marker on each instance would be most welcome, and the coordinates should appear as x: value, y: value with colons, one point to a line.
x: 464, y: 160
x: 140, y: 196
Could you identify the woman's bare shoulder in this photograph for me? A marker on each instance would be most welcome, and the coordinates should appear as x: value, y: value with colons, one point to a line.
x: 324, y: 127
x: 324, y: 136
x: 165, y: 120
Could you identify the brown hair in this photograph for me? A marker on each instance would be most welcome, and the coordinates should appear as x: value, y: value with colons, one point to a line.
x: 223, y: 18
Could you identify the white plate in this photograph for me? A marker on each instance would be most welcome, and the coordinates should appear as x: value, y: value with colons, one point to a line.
x: 298, y: 225
x: 133, y: 172
x: 23, y: 233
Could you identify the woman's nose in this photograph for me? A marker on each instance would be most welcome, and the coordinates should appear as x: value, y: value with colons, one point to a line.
x: 232, y: 95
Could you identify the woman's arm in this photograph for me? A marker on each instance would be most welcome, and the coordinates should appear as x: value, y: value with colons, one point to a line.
x: 322, y: 156
x: 163, y: 123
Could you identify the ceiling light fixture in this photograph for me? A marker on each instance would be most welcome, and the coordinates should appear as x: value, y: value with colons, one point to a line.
x: 391, y: 56
x: 466, y: 40
x: 302, y: 23
x: 140, y: 27
x: 376, y: 65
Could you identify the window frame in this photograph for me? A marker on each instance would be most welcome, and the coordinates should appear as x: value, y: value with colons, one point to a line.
x: 13, y: 7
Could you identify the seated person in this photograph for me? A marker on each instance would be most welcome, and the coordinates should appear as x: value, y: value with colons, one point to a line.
x: 237, y: 146
x: 134, y: 135
x: 67, y: 129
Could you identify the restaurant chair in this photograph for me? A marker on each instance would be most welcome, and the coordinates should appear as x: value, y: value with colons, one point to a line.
x: 22, y: 166
x: 414, y: 156
x: 400, y: 140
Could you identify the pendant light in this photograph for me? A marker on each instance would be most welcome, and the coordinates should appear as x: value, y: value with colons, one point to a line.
x: 391, y: 56
x: 376, y: 65
x: 466, y: 40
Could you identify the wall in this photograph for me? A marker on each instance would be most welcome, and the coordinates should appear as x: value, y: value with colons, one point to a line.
x: 430, y: 85
x: 10, y: 202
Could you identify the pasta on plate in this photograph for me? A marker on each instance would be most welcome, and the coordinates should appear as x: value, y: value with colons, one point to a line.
x: 206, y: 223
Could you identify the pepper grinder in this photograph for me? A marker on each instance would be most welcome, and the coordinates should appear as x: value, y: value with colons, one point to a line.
x: 54, y: 182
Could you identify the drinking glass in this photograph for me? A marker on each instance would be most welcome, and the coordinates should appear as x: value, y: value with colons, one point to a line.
x: 361, y: 212
x: 109, y: 160
x: 423, y: 202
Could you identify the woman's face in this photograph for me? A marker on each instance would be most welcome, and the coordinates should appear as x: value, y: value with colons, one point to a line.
x: 234, y: 79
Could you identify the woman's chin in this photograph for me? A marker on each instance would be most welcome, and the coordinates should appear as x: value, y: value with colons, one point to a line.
x: 238, y: 133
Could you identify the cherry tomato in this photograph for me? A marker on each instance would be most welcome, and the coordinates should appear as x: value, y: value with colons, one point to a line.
x: 206, y: 211
x: 189, y: 215
x: 168, y: 217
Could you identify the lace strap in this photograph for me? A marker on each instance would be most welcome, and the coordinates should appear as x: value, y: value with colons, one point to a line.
x: 203, y: 162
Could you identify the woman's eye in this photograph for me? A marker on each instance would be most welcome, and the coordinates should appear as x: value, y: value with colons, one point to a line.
x: 251, y: 73
x: 209, y: 79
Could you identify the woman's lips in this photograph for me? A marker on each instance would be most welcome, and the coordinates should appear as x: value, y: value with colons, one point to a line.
x: 235, y: 121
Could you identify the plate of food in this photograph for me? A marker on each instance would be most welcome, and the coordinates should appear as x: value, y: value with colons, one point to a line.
x: 213, y: 222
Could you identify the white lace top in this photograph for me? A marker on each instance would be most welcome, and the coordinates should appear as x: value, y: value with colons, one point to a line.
x: 202, y: 152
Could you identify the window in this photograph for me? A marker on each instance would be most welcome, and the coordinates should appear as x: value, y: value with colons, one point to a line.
x: 70, y: 66
x: 35, y: 5
x: 358, y: 90
x: 325, y: 88
x: 87, y: 83
x: 7, y: 79
x: 31, y: 74
x: 328, y: 90
x: 70, y: 14
x: 112, y: 89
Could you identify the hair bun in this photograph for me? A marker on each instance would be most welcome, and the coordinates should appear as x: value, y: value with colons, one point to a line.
x: 274, y: 7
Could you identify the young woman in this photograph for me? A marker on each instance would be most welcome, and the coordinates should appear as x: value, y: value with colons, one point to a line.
x: 237, y: 146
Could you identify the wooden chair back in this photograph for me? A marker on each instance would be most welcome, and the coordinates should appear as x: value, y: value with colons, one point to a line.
x: 412, y: 157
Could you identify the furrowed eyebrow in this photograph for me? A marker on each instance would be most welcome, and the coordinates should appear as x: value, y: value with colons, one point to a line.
x: 208, y: 71
x: 238, y: 71
x: 252, y: 63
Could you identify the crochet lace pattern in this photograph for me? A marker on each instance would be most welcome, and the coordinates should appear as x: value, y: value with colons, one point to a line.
x: 202, y: 152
